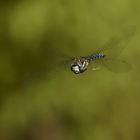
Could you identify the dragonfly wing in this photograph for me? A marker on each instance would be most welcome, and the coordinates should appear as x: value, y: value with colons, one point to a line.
x: 116, y: 44
x: 116, y: 65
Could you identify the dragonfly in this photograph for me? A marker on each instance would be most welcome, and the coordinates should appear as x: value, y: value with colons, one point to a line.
x: 107, y: 55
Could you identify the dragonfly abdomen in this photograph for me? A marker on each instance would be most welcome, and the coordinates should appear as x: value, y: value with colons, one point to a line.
x: 96, y: 56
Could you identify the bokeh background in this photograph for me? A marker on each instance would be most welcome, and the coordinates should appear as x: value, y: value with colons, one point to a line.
x: 40, y: 98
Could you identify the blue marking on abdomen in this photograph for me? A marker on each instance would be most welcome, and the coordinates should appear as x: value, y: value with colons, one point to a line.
x: 96, y: 56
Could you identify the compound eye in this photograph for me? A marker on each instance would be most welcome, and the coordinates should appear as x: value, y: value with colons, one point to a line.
x: 75, y: 69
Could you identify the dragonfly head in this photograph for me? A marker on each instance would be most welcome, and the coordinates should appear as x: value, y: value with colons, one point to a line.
x: 79, y: 65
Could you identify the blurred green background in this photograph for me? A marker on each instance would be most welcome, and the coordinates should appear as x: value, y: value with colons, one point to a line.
x: 39, y: 99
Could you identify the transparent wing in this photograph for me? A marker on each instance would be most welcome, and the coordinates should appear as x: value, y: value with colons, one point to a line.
x: 116, y: 44
x: 114, y: 65
x: 112, y: 49
x: 59, y: 67
x: 47, y: 64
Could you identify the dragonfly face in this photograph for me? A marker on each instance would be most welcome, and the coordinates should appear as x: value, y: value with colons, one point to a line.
x: 79, y: 65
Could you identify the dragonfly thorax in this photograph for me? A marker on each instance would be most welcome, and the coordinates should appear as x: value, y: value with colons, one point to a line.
x: 79, y: 65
